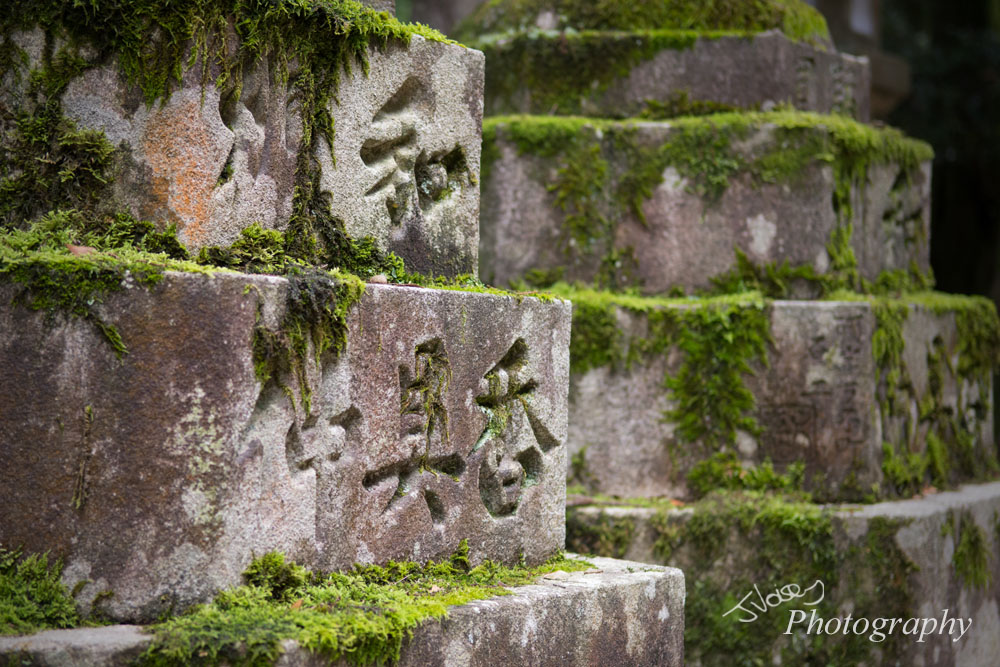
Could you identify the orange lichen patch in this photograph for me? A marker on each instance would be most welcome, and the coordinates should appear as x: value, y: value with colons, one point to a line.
x: 185, y: 144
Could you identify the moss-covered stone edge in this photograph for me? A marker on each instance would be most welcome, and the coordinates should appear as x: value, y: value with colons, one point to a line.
x: 569, y: 73
x: 604, y: 171
x: 727, y: 338
x: 732, y: 540
x: 361, y: 615
x: 794, y: 18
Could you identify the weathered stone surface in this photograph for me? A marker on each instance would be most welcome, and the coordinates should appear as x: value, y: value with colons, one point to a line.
x: 622, y: 613
x: 822, y: 400
x: 110, y: 646
x: 689, y: 235
x: 924, y: 529
x: 381, y: 5
x: 404, y: 167
x: 158, y: 476
x: 746, y: 72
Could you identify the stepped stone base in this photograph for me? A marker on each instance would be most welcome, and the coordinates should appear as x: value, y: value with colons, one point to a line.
x: 157, y: 477
x: 403, y: 168
x: 822, y: 400
x: 909, y: 550
x: 745, y: 72
x: 623, y: 613
x: 535, y: 215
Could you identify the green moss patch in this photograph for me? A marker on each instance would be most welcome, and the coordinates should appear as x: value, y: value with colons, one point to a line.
x: 731, y: 541
x: 604, y: 171
x: 31, y: 595
x: 361, y: 616
x: 971, y: 558
x: 721, y: 341
x: 795, y: 18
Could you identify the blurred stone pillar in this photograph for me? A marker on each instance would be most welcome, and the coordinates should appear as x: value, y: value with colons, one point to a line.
x: 442, y: 14
x: 856, y: 28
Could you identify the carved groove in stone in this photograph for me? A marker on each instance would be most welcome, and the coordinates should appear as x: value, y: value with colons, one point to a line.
x: 514, y: 459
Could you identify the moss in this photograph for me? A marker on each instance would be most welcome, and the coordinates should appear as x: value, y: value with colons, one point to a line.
x: 731, y: 541
x: 47, y: 164
x: 32, y: 597
x: 361, y: 616
x: 606, y: 170
x: 604, y: 535
x: 971, y: 557
x: 724, y: 471
x: 680, y: 104
x: 720, y: 341
x: 793, y: 17
x: 67, y: 262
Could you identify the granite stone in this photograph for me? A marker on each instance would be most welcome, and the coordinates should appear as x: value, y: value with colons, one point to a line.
x: 158, y: 476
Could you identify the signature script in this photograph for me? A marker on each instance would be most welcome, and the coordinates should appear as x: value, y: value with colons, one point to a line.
x: 779, y: 596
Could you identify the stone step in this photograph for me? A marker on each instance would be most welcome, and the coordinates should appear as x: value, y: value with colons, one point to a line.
x: 622, y: 613
x: 661, y: 74
x: 432, y: 416
x: 874, y: 396
x: 668, y: 205
x: 390, y: 145
x: 905, y: 559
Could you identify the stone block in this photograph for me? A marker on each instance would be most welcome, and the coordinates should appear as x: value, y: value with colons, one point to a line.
x: 665, y: 205
x: 824, y: 399
x: 158, y: 476
x: 623, y: 611
x: 656, y: 73
x: 921, y: 546
x: 403, y: 168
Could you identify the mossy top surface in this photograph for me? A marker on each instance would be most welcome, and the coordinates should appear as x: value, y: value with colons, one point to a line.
x: 794, y: 18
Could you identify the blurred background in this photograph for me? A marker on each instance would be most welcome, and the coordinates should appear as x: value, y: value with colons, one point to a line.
x: 936, y: 75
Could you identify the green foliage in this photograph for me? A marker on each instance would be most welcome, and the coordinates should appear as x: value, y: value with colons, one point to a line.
x: 793, y: 17
x: 117, y: 250
x: 971, y: 557
x: 605, y: 171
x: 724, y: 471
x: 721, y: 339
x: 31, y: 595
x: 361, y: 616
x: 731, y: 541
x: 720, y: 342
x: 604, y: 535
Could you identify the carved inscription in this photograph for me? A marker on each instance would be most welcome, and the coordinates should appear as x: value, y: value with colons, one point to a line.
x: 510, y: 451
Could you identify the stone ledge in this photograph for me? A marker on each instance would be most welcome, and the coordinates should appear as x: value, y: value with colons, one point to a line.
x: 157, y: 476
x: 665, y: 205
x: 626, y: 613
x: 926, y: 531
x: 822, y: 400
x: 738, y: 71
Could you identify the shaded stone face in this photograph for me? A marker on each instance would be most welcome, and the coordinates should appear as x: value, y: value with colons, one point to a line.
x: 914, y: 541
x: 757, y: 72
x: 404, y: 167
x: 159, y: 476
x: 821, y: 400
x: 690, y: 228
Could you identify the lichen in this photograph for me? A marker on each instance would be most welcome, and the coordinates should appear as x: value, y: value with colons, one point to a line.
x: 361, y: 616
